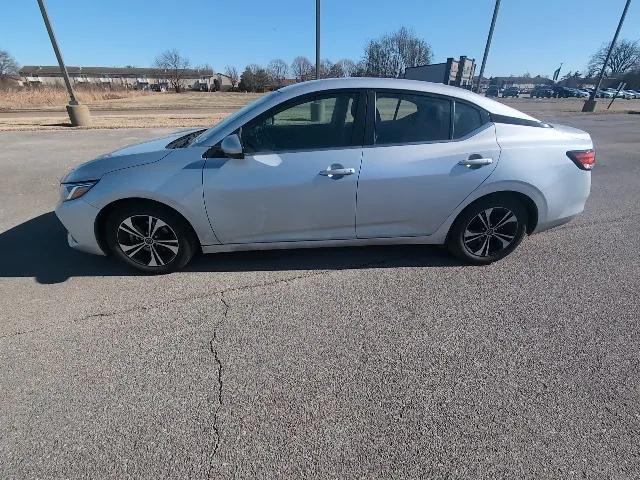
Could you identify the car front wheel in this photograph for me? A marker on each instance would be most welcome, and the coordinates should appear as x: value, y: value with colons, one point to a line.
x: 488, y: 230
x: 149, y: 237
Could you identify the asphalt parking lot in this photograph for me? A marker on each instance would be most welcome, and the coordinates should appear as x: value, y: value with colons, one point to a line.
x: 385, y: 362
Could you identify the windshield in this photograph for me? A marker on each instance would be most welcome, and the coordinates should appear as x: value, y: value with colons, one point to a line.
x: 207, y: 134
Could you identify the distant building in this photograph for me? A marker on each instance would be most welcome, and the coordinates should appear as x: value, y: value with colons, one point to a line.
x: 137, y: 78
x: 522, y: 83
x: 452, y: 72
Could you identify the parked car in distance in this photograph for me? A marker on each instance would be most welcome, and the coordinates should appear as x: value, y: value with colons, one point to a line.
x: 562, y: 92
x: 541, y: 91
x: 576, y: 92
x: 492, y: 91
x: 329, y: 163
x: 582, y: 93
x: 614, y: 92
x: 629, y: 94
x: 511, y: 92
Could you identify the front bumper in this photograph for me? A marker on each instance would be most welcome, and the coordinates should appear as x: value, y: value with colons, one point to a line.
x: 79, y: 218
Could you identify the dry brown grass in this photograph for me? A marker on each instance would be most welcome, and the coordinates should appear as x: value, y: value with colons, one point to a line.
x: 111, y: 121
x: 46, y: 97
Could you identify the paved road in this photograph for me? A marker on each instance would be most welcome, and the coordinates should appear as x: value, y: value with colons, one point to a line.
x: 372, y: 363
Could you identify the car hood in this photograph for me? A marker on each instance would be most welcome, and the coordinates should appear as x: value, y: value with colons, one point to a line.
x: 126, y: 157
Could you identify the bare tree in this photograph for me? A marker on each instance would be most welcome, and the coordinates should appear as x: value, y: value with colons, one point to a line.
x: 254, y: 67
x: 344, y: 68
x: 301, y: 68
x: 335, y: 71
x: 567, y: 75
x: 391, y: 54
x: 326, y: 67
x: 232, y: 73
x: 624, y: 58
x: 175, y: 65
x: 278, y: 70
x: 205, y: 67
x: 8, y: 65
x: 359, y: 69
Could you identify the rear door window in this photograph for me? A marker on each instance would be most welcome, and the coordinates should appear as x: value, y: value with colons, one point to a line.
x: 407, y: 118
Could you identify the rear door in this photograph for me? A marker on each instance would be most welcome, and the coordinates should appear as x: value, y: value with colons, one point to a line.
x: 425, y: 155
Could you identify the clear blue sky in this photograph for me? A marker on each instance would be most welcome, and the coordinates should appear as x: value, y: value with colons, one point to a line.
x: 133, y: 32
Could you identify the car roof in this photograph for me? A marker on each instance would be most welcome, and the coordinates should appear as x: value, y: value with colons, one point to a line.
x: 491, y: 106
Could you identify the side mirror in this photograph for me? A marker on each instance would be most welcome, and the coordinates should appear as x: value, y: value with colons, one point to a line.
x: 232, y: 147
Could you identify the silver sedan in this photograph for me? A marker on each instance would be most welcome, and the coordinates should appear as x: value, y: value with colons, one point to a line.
x: 356, y: 161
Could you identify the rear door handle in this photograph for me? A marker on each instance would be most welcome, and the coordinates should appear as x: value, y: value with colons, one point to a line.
x: 476, y: 162
x: 336, y: 171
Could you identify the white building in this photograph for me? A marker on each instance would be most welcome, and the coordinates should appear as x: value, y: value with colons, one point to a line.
x: 137, y: 78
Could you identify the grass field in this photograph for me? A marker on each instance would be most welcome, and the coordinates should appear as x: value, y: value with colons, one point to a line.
x: 45, y: 109
x: 55, y: 99
x: 46, y: 99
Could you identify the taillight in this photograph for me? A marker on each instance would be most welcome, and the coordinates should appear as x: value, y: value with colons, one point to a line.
x: 584, y: 159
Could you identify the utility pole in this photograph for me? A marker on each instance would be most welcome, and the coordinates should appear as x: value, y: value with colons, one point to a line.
x: 488, y: 45
x: 78, y: 114
x: 590, y: 104
x: 317, y: 39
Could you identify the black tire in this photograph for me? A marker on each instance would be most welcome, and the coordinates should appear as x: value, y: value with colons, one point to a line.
x: 158, y: 255
x: 467, y: 239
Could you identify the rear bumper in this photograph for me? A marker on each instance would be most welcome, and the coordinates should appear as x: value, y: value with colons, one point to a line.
x: 541, y: 227
x: 565, y: 203
x: 79, y: 218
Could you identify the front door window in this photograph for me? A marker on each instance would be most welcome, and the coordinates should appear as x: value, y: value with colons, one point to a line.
x: 313, y: 123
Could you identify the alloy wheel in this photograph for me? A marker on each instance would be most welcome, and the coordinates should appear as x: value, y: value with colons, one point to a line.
x: 490, y: 232
x: 147, y: 240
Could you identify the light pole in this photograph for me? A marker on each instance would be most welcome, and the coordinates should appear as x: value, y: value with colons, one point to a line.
x: 488, y: 45
x: 317, y: 39
x: 78, y: 114
x: 590, y: 104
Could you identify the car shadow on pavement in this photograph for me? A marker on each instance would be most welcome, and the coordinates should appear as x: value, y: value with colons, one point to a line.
x: 38, y: 248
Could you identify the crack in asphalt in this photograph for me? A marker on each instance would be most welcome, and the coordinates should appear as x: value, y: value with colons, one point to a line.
x: 215, y: 351
x: 212, y: 342
x: 216, y: 357
x: 144, y: 308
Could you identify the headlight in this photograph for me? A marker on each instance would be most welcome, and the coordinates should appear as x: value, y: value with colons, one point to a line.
x: 71, y: 191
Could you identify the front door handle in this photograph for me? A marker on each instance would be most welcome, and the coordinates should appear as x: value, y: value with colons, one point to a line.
x: 336, y: 171
x: 476, y: 162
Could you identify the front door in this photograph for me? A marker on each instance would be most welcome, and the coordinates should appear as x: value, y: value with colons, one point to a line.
x: 299, y: 175
x: 421, y: 166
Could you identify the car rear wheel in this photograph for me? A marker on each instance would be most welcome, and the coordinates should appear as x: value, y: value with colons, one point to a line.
x: 488, y: 230
x: 149, y: 237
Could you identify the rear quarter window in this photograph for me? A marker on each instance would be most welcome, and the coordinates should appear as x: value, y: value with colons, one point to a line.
x: 466, y: 119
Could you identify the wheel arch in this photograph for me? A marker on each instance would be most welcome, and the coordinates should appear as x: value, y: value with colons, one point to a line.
x: 529, y: 204
x: 99, y: 223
